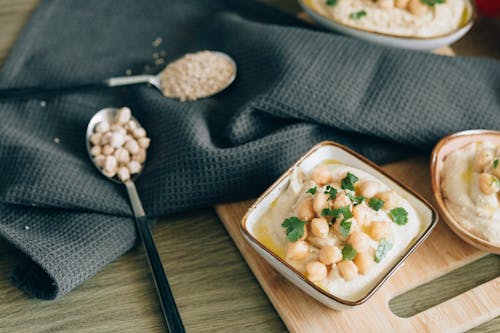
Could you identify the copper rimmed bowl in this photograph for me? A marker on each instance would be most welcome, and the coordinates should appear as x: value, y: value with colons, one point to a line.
x: 333, y: 151
x: 444, y: 147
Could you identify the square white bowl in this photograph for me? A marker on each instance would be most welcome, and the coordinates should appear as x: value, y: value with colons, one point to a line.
x: 333, y: 151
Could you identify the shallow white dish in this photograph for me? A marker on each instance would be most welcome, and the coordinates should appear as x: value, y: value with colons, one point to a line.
x: 328, y: 151
x: 413, y: 43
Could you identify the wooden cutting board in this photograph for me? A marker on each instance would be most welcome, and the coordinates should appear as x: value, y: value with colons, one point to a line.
x: 441, y: 253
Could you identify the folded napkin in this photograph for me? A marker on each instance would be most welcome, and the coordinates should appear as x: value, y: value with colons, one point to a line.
x: 295, y: 87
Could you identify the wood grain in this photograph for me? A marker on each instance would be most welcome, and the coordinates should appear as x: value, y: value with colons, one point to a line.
x: 214, y: 288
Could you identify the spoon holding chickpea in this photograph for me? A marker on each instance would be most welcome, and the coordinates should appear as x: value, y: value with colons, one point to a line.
x: 116, y: 144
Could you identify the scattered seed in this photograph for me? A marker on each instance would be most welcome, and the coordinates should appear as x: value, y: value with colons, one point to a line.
x: 26, y: 227
x: 159, y: 61
x: 43, y: 104
x: 156, y: 55
x: 57, y: 140
x: 157, y: 41
x: 128, y: 71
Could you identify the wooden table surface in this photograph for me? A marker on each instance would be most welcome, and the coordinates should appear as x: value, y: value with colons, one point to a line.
x: 214, y: 288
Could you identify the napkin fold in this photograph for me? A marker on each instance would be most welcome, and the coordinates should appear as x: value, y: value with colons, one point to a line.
x: 296, y: 86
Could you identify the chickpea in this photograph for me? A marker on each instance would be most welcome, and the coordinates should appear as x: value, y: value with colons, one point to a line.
x: 122, y: 155
x: 319, y: 227
x: 132, y: 146
x: 390, y: 198
x: 123, y: 173
x: 123, y: 115
x: 95, y: 151
x: 386, y: 4
x: 417, y: 8
x: 330, y: 254
x: 359, y: 241
x: 369, y: 188
x: 140, y: 156
x: 321, y: 175
x: 361, y: 213
x: 297, y: 250
x: 402, y: 4
x: 347, y: 269
x: 139, y: 133
x: 341, y: 201
x: 488, y: 184
x: 320, y: 202
x: 144, y: 142
x: 484, y: 159
x: 379, y: 230
x: 102, y: 127
x: 95, y: 138
x: 305, y: 210
x: 110, y: 164
x: 134, y: 167
x: 364, y: 262
x: 107, y: 150
x: 117, y: 140
x: 316, y: 271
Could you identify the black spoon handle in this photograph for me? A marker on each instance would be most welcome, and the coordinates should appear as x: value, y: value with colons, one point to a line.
x: 48, y: 91
x: 168, y: 306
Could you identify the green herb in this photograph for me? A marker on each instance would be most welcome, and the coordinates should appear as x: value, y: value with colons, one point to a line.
x: 332, y: 192
x: 312, y: 190
x: 495, y: 180
x: 349, y: 181
x: 294, y: 228
x: 376, y: 203
x: 399, y: 215
x: 383, y: 247
x: 345, y: 227
x: 357, y: 15
x: 331, y: 2
x: 432, y: 2
x: 348, y: 252
x: 495, y: 163
x: 335, y: 213
x: 356, y: 200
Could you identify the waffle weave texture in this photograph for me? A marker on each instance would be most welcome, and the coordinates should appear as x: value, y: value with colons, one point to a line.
x: 296, y: 86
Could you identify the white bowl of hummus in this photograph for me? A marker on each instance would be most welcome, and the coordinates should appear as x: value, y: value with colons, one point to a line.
x: 337, y: 226
x: 465, y: 172
x: 411, y: 24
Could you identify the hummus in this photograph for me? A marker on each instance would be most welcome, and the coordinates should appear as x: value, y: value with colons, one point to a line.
x: 383, y: 16
x: 345, y: 253
x: 470, y: 185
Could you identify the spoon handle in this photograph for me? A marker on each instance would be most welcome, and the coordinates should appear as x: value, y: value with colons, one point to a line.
x: 168, y: 306
x: 47, y: 91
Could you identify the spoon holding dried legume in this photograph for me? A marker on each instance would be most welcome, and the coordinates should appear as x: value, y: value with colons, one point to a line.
x: 191, y: 77
x: 117, y: 144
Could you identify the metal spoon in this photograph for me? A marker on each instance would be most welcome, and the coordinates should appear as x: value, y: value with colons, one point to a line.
x: 168, y: 306
x: 153, y: 80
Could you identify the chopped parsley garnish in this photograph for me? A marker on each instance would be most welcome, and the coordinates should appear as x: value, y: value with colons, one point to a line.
x: 375, y: 203
x: 331, y: 191
x: 294, y: 228
x: 383, y: 247
x: 356, y: 200
x: 331, y: 2
x: 335, y: 213
x: 312, y: 190
x: 432, y: 2
x: 348, y: 252
x: 345, y: 227
x: 357, y: 15
x: 399, y: 215
x: 349, y: 181
x: 495, y: 163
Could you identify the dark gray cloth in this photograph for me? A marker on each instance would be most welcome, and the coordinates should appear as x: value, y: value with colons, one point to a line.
x: 295, y: 87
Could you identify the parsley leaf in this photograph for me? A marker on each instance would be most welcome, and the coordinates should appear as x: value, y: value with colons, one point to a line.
x: 331, y: 191
x: 312, y: 190
x: 345, y: 227
x: 358, y: 15
x: 335, y: 213
x: 375, y: 203
x: 495, y: 163
x: 348, y: 252
x: 356, y: 200
x: 294, y: 228
x: 383, y: 247
x: 349, y: 181
x: 331, y: 2
x: 432, y: 2
x: 399, y: 215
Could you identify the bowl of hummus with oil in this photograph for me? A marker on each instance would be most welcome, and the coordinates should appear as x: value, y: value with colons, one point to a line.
x: 337, y: 226
x: 414, y: 24
x: 466, y: 179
